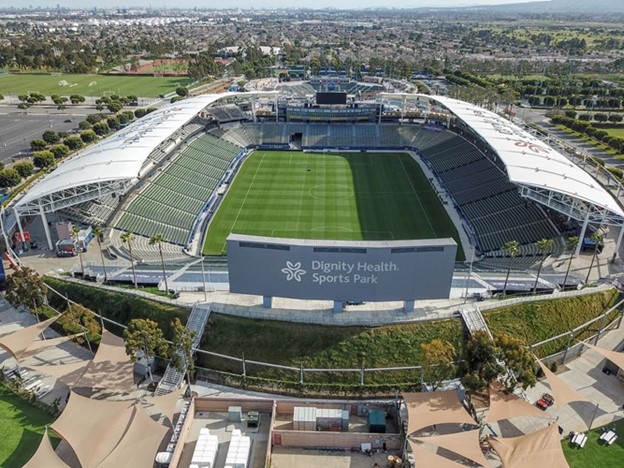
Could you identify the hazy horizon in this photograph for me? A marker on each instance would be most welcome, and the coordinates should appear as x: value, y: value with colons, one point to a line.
x: 312, y: 4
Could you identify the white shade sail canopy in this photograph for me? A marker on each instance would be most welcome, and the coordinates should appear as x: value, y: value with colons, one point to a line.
x: 528, y: 160
x: 118, y: 158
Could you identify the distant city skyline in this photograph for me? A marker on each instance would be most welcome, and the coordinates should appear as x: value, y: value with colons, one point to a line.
x: 313, y: 4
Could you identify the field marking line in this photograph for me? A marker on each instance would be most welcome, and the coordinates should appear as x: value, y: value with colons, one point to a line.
x: 246, y: 195
x: 417, y: 197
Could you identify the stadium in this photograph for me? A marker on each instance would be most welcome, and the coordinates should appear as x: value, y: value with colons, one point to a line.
x: 338, y: 166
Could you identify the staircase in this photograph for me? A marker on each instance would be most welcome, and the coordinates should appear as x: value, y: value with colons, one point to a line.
x: 474, y: 321
x: 173, y: 377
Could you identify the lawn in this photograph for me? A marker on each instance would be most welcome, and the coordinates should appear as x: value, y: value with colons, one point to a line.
x: 618, y: 132
x: 537, y: 321
x: 21, y: 428
x: 314, y: 346
x: 596, y: 455
x: 338, y: 196
x: 89, y: 85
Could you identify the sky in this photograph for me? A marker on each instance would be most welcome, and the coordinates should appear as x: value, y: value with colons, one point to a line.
x: 344, y: 4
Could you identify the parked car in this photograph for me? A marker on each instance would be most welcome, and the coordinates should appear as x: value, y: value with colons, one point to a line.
x: 545, y: 402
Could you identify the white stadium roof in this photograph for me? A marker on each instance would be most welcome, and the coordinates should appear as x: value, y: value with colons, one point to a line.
x: 115, y: 163
x: 529, y: 162
x: 117, y: 159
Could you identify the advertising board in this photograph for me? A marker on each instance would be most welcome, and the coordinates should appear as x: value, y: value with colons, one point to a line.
x: 341, y: 270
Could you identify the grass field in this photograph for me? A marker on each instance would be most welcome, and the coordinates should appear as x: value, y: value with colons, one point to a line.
x: 350, y: 196
x: 21, y: 428
x: 594, y: 454
x: 89, y: 85
x: 618, y: 132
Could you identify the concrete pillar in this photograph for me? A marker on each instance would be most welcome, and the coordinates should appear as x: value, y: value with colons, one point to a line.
x: 253, y: 108
x: 337, y: 307
x: 267, y: 302
x: 408, y: 306
x: 46, y: 228
x: 19, y: 223
x: 582, y: 235
x: 618, y: 243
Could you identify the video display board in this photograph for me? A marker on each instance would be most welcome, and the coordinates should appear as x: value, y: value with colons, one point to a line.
x: 341, y: 270
x: 331, y: 98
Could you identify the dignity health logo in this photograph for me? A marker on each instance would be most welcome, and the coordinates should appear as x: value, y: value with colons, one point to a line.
x: 293, y: 271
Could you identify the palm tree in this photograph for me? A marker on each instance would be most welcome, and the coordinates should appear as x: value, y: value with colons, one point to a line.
x: 157, y: 239
x: 570, y: 245
x: 75, y: 231
x: 543, y: 245
x: 127, y: 237
x: 597, y: 237
x: 513, y: 247
x: 98, y: 232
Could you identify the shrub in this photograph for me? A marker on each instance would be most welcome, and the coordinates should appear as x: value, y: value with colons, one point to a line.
x: 43, y: 159
x: 24, y: 168
x: 59, y: 151
x: 51, y: 137
x: 88, y: 136
x: 9, y: 178
x: 73, y: 142
x: 38, y: 144
x: 100, y: 128
x: 94, y: 118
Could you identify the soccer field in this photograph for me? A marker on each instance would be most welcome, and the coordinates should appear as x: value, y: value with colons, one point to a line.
x: 338, y: 196
x: 89, y: 85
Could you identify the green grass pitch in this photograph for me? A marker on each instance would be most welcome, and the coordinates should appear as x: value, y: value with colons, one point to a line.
x: 338, y: 196
x: 21, y: 428
x: 89, y: 85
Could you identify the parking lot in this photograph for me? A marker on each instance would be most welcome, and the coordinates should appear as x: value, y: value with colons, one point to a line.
x: 18, y: 127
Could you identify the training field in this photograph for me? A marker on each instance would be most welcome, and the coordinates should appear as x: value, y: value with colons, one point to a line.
x: 89, y: 85
x: 340, y: 196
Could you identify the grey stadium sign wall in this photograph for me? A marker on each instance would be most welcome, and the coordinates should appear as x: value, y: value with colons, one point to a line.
x: 404, y: 270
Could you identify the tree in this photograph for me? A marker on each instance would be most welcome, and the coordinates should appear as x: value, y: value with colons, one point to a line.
x: 597, y: 237
x: 481, y: 364
x: 51, y: 137
x: 76, y: 99
x: 78, y: 318
x: 98, y: 233
x: 181, y: 353
x: 43, y: 159
x: 543, y: 245
x: 615, y: 118
x: 25, y: 287
x: 438, y: 361
x: 600, y: 117
x: 512, y: 248
x: 88, y: 136
x: 100, y: 128
x: 114, y: 106
x: 514, y: 353
x: 157, y: 239
x: 127, y: 238
x: 85, y: 125
x: 24, y: 168
x: 59, y: 151
x: 75, y: 231
x: 73, y: 142
x: 38, y: 144
x: 140, y: 113
x: 94, y: 118
x: 181, y: 91
x: 145, y: 336
x: 9, y: 178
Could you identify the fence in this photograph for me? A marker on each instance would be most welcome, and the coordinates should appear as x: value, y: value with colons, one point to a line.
x: 607, y: 321
x: 239, y: 369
